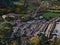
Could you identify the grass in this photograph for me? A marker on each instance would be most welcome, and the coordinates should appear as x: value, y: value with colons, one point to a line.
x: 18, y: 3
x: 54, y: 10
x: 49, y: 14
x: 22, y: 14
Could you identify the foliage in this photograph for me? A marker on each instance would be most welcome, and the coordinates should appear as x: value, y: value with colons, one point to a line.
x: 50, y: 14
x: 25, y: 19
x: 34, y: 41
x: 41, y: 40
x: 1, y: 19
x: 44, y: 40
x: 56, y: 11
x: 55, y: 41
x: 5, y: 29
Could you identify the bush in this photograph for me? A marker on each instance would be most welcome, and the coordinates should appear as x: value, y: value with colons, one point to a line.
x: 5, y: 29
x: 34, y: 41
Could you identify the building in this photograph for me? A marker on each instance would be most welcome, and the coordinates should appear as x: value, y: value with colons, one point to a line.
x: 50, y: 29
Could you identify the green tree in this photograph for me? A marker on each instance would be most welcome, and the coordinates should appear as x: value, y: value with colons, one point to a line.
x: 55, y: 41
x: 34, y: 41
x: 5, y: 32
x: 5, y: 29
x: 55, y: 2
x: 43, y: 40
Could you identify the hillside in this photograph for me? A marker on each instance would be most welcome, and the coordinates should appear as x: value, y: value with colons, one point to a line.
x: 29, y: 22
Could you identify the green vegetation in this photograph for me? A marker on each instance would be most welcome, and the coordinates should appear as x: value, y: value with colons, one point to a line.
x: 22, y: 10
x: 42, y: 40
x: 5, y: 29
x: 29, y: 8
x: 57, y: 11
x: 5, y: 33
x: 49, y: 14
x: 20, y: 2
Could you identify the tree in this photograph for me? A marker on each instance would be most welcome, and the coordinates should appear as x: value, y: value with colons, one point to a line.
x: 25, y: 3
x: 44, y: 40
x: 5, y: 32
x: 55, y: 41
x: 5, y: 29
x: 55, y: 2
x: 6, y: 3
x: 34, y: 41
